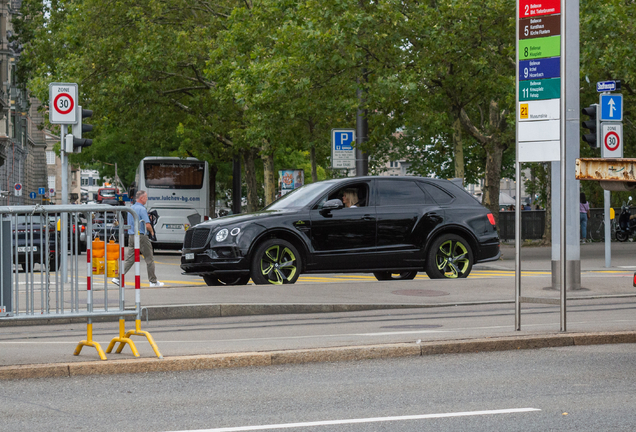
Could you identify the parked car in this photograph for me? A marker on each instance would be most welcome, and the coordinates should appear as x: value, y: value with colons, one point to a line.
x: 76, y: 223
x: 396, y: 227
x: 107, y: 195
x: 31, y: 242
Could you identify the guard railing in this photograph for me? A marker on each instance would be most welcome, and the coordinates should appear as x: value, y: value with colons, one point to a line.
x: 40, y: 259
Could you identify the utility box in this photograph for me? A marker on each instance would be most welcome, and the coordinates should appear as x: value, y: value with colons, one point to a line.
x: 6, y: 305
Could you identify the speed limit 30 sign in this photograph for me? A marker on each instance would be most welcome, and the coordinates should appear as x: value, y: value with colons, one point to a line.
x: 612, y: 140
x: 63, y: 103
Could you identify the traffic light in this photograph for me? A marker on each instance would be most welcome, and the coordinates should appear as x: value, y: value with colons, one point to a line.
x: 593, y: 125
x: 80, y: 128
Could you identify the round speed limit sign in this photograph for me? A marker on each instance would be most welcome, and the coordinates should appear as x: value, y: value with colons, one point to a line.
x: 612, y: 140
x: 63, y: 103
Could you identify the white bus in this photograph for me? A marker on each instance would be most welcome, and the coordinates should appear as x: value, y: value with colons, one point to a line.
x: 179, y: 191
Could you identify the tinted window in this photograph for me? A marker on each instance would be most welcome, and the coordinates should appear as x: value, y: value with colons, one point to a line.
x: 440, y: 196
x: 395, y: 192
x: 174, y: 175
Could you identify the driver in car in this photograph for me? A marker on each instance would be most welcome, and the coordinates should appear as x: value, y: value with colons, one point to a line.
x: 350, y: 198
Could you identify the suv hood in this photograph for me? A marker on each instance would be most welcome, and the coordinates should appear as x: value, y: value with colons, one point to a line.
x: 234, y: 220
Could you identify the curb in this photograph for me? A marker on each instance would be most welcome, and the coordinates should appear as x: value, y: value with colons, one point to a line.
x: 314, y: 355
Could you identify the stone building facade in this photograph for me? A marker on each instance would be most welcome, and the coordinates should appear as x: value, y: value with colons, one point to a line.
x: 22, y: 143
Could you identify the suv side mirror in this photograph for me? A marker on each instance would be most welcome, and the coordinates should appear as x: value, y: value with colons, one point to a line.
x: 328, y: 206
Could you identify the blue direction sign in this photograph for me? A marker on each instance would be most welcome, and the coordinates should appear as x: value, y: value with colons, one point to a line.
x: 540, y: 68
x: 41, y: 191
x: 603, y: 86
x: 32, y: 195
x: 611, y: 107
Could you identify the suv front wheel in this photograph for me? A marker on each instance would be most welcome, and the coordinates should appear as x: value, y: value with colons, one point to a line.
x: 449, y: 257
x: 276, y: 262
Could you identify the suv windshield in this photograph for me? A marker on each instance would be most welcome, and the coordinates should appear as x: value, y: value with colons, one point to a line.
x: 301, y: 196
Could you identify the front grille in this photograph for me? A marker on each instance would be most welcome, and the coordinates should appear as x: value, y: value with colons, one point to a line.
x: 196, y: 238
x: 187, y: 241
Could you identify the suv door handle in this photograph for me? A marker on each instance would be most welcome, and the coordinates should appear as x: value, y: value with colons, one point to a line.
x: 368, y: 217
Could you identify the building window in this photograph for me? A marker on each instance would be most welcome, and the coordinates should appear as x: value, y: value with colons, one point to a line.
x: 51, y: 182
x: 50, y: 158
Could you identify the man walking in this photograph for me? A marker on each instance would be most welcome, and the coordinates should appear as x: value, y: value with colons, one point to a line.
x: 145, y: 247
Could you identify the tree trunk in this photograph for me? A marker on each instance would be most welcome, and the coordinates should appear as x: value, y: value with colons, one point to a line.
x: 212, y: 174
x: 492, y: 177
x: 250, y: 180
x: 458, y: 149
x: 268, y: 174
x: 491, y: 140
x: 314, y: 167
x: 312, y: 154
x: 547, y: 230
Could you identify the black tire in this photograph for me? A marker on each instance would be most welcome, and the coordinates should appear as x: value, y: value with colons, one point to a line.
x: 230, y: 279
x: 275, y: 262
x: 596, y: 233
x: 621, y: 236
x: 397, y: 275
x: 450, y: 256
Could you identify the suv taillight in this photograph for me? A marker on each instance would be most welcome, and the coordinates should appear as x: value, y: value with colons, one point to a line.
x: 491, y: 219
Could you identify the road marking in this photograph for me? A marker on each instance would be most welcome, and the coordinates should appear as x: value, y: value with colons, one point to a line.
x: 367, y: 420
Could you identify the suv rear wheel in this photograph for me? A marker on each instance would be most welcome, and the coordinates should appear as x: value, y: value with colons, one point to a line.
x: 449, y: 257
x: 275, y: 262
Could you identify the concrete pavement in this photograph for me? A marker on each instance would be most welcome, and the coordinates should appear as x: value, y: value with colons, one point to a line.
x: 491, y: 283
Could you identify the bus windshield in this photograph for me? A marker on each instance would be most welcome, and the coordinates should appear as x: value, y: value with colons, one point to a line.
x: 174, y: 175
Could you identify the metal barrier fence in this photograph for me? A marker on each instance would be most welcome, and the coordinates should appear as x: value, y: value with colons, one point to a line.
x: 52, y: 238
x: 533, y: 224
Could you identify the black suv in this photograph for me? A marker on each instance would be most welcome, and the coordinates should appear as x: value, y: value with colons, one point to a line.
x: 391, y: 226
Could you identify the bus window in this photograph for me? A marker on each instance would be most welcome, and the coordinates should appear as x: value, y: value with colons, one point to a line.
x: 167, y: 175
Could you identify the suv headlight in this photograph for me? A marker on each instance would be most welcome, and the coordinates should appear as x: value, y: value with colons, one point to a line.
x: 221, y: 235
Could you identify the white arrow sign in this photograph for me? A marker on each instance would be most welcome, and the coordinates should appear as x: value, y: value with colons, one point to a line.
x: 612, y: 107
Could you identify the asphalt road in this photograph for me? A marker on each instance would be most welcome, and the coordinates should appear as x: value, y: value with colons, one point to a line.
x: 590, y: 388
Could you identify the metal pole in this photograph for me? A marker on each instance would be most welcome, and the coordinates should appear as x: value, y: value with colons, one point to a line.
x: 518, y: 243
x: 517, y: 189
x: 608, y: 233
x: 362, y: 132
x: 563, y: 197
x: 64, y: 224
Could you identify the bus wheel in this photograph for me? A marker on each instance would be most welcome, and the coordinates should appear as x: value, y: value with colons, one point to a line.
x: 212, y: 280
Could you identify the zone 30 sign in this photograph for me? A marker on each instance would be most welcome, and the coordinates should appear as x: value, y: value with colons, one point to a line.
x: 63, y: 103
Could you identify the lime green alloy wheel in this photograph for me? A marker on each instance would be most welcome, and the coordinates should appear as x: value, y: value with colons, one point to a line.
x: 449, y: 257
x: 275, y: 262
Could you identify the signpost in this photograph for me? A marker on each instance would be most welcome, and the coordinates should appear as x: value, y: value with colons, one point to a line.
x: 63, y: 100
x: 32, y: 195
x: 18, y: 189
x: 63, y: 110
x: 343, y: 154
x: 612, y: 140
x: 546, y: 91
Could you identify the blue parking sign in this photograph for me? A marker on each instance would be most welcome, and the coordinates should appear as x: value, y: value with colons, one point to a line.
x: 343, y: 140
x: 611, y: 107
